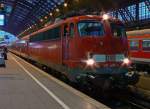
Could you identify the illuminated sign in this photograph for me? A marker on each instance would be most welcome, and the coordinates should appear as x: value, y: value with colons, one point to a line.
x: 2, y: 20
x: 1, y: 38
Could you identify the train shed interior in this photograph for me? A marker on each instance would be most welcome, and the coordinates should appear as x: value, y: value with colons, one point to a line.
x: 22, y: 15
x: 75, y: 54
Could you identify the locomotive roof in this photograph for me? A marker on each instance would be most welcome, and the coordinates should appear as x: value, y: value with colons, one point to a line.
x: 74, y: 18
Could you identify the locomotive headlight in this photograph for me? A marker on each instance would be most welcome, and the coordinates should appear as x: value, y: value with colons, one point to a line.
x: 126, y: 61
x: 90, y: 62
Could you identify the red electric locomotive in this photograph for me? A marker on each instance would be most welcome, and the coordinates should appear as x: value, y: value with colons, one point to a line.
x: 89, y: 50
x: 139, y: 44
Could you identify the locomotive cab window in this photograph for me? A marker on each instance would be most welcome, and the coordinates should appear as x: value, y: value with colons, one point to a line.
x: 146, y: 45
x: 90, y: 28
x: 71, y: 30
x: 134, y: 44
x: 118, y: 30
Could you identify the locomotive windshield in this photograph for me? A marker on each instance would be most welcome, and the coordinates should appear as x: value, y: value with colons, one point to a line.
x: 118, y: 30
x: 90, y: 28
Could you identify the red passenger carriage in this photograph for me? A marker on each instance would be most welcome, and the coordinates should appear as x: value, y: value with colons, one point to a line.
x: 139, y: 43
x: 85, y: 49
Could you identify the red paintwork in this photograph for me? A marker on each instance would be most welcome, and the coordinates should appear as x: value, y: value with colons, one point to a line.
x: 140, y: 35
x: 53, y: 50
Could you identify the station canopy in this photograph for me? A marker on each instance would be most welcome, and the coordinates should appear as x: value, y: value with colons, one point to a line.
x: 21, y: 14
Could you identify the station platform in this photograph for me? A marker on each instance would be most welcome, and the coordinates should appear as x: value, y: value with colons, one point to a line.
x: 23, y: 86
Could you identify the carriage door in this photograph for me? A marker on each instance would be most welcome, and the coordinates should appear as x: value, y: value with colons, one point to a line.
x: 27, y: 48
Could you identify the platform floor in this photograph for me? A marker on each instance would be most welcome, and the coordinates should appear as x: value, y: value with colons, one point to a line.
x: 23, y: 86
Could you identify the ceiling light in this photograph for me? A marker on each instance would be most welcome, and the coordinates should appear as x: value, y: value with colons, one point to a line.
x: 65, y: 4
x: 45, y: 17
x: 105, y: 17
x: 41, y: 20
x: 57, y: 10
x: 51, y: 14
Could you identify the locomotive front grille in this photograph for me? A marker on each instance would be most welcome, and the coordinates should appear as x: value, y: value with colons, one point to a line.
x: 108, y: 58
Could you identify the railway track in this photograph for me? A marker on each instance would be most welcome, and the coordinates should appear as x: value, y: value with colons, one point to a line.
x: 137, y: 105
x: 134, y: 100
x: 140, y: 101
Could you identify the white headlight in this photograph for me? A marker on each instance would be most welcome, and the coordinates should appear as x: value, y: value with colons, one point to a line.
x: 90, y: 62
x: 105, y: 17
x: 126, y: 61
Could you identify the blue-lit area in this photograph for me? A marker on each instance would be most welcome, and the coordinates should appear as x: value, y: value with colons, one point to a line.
x: 134, y: 12
x: 144, y: 11
x: 2, y: 18
x: 7, y: 38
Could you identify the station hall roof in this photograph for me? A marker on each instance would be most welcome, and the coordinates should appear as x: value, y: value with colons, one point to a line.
x: 21, y: 14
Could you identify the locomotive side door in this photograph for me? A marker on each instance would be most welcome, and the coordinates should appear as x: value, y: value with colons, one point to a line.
x: 65, y: 42
x: 67, y: 39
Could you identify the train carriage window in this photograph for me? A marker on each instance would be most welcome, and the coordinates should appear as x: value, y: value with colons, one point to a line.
x: 71, y: 30
x: 52, y: 34
x: 65, y: 30
x: 90, y: 28
x: 118, y: 30
x: 32, y: 38
x: 56, y: 32
x: 134, y: 44
x: 39, y: 37
x: 146, y: 45
x: 36, y: 37
x: 47, y: 35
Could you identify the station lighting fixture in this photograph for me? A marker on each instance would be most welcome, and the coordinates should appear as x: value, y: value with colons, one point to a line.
x: 51, y: 14
x: 57, y: 10
x: 105, y: 16
x: 45, y: 17
x: 65, y: 4
x: 41, y: 20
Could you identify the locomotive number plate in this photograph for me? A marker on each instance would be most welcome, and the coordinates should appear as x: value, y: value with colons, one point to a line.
x: 111, y: 58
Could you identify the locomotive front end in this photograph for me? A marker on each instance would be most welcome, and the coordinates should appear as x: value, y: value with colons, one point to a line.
x: 103, y: 52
